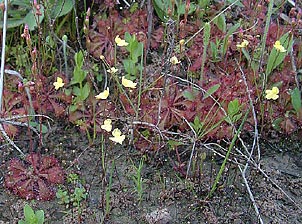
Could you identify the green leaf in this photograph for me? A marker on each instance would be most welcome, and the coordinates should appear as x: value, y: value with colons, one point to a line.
x: 85, y: 91
x: 276, y: 58
x: 40, y: 216
x: 188, y: 95
x: 247, y: 55
x: 38, y: 125
x: 78, y: 76
x: 130, y: 67
x: 210, y: 91
x: 76, y: 91
x: 238, y: 3
x: 161, y: 8
x: 172, y: 144
x: 60, y: 7
x: 276, y: 124
x: 73, y: 108
x: 79, y: 59
x: 226, y: 38
x: 233, y: 111
x: 29, y: 214
x: 214, y: 51
x: 296, y: 99
x: 233, y: 107
x: 220, y: 22
x: 21, y: 12
x: 30, y: 19
x: 28, y: 211
x: 181, y: 7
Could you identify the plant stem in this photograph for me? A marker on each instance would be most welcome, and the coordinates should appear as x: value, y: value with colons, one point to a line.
x: 228, y: 154
x: 263, y: 41
x: 140, y: 84
x: 206, y: 40
x: 3, y: 51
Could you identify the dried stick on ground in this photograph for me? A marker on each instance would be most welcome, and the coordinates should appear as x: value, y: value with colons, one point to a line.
x: 255, y: 143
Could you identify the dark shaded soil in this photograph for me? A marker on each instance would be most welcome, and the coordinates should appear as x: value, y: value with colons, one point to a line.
x: 184, y: 201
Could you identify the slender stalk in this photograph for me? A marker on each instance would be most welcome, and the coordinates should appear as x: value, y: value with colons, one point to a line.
x: 228, y: 154
x: 3, y: 51
x: 140, y: 84
x: 206, y: 40
x: 263, y: 41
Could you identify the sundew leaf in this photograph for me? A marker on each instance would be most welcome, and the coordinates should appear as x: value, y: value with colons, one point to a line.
x: 210, y: 91
x: 276, y: 57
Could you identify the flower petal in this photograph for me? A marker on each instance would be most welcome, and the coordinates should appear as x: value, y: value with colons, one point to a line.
x: 59, y: 83
x: 107, y: 125
x: 120, y: 42
x: 117, y: 136
x: 128, y: 83
x: 103, y: 95
x: 112, y: 70
x: 174, y: 60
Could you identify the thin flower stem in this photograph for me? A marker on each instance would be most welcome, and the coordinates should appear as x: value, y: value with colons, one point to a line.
x: 3, y: 51
x: 263, y: 41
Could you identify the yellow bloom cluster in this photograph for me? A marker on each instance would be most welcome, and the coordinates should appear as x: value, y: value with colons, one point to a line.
x: 116, y: 133
x: 279, y: 47
x: 243, y: 44
x: 272, y: 94
x: 112, y: 70
x: 128, y: 83
x: 59, y: 83
x: 120, y: 42
x: 103, y: 95
x: 174, y: 60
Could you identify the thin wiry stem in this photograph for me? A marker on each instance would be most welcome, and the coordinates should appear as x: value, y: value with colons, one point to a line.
x: 3, y: 51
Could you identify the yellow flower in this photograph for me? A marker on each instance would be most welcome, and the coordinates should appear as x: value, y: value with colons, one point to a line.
x: 272, y: 94
x: 174, y: 60
x: 182, y: 42
x: 117, y: 136
x: 243, y: 44
x: 112, y: 70
x: 279, y: 46
x: 128, y: 83
x: 107, y: 125
x: 103, y: 95
x: 120, y: 42
x: 102, y: 57
x: 59, y: 83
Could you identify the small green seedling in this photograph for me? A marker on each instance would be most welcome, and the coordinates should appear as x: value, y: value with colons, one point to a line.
x: 32, y: 217
x: 78, y: 195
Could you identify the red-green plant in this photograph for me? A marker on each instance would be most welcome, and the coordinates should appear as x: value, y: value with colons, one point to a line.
x: 35, y: 177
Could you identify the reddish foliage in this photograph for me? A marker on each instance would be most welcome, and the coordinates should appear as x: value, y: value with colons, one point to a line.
x: 13, y: 104
x: 92, y: 114
x: 101, y: 36
x: 35, y: 177
x: 48, y: 100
